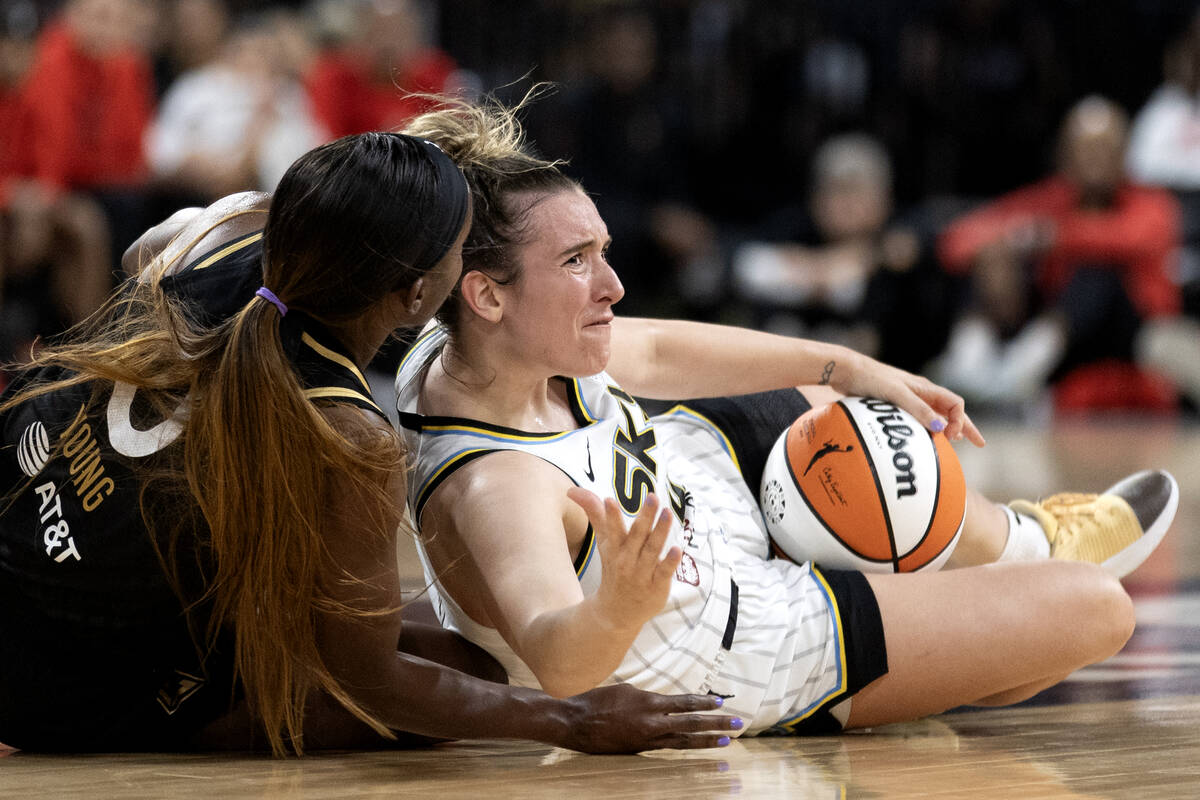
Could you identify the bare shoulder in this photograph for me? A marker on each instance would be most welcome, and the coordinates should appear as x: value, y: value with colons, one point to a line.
x: 502, y: 485
x: 193, y: 231
x: 365, y: 429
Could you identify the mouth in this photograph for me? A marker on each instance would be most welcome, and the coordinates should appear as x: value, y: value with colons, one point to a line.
x: 603, y: 322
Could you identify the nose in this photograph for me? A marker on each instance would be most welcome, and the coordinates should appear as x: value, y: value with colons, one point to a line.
x: 608, y: 285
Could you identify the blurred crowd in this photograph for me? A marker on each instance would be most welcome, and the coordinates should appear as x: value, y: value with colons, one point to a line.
x: 1001, y: 194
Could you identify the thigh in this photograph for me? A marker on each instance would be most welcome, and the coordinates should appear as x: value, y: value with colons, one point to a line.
x: 961, y: 636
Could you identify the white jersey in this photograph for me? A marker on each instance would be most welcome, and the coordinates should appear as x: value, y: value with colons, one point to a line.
x: 617, y: 451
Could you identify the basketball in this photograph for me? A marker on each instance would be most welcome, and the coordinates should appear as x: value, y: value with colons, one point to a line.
x: 861, y: 484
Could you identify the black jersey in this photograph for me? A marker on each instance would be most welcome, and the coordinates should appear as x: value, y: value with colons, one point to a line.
x: 95, y: 646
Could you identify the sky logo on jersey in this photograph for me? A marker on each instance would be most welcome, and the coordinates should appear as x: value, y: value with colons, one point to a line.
x: 634, y: 468
x: 34, y: 449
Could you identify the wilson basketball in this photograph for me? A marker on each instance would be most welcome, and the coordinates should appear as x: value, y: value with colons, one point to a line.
x: 860, y: 484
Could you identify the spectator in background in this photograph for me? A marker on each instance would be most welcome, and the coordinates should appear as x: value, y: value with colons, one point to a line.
x: 235, y: 124
x: 844, y: 269
x: 365, y: 82
x: 1164, y: 141
x: 624, y: 134
x: 1164, y: 150
x: 88, y: 100
x: 54, y: 243
x: 1066, y: 272
x: 192, y: 35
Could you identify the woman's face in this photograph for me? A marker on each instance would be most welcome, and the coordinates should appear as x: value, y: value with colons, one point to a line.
x: 558, y: 309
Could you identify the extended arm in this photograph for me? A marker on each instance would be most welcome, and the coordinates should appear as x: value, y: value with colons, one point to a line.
x: 676, y: 359
x: 412, y: 694
x: 503, y: 522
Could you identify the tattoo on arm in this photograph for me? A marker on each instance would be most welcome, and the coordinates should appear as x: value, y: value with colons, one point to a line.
x: 827, y: 374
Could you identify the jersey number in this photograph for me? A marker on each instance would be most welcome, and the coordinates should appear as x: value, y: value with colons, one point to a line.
x: 128, y: 440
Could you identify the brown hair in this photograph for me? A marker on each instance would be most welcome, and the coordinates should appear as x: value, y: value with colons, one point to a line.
x: 258, y: 462
x: 488, y: 144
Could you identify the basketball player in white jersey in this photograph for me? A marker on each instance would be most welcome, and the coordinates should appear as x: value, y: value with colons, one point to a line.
x: 582, y: 542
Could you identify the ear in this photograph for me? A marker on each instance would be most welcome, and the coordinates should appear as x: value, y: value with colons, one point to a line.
x: 414, y: 296
x: 478, y: 291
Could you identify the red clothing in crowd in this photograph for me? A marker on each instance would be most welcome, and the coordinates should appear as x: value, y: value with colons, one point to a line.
x: 12, y: 152
x: 85, y: 116
x: 1136, y: 236
x: 347, y: 100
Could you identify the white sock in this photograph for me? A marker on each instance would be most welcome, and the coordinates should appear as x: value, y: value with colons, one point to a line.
x: 1026, y: 538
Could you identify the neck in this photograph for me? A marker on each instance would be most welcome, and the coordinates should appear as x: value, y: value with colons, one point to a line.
x: 362, y: 338
x: 474, y: 381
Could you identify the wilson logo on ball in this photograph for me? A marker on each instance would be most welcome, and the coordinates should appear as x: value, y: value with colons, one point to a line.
x: 898, y: 433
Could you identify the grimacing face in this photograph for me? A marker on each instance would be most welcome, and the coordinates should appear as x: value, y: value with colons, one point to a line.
x: 557, y: 312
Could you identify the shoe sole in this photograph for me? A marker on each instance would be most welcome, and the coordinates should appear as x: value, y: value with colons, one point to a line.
x: 1129, y: 559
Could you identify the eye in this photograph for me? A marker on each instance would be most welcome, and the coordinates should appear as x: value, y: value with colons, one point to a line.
x: 575, y: 262
x: 604, y: 253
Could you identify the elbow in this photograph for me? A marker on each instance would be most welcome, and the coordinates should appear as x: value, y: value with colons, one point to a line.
x: 565, y: 689
x: 562, y: 685
x: 557, y: 692
x: 558, y: 681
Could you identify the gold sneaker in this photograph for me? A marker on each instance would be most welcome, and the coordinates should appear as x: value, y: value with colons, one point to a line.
x: 1117, y: 529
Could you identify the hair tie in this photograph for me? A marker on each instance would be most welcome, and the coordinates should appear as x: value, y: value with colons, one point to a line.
x: 270, y: 297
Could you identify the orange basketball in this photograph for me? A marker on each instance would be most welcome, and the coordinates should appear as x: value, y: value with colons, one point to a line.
x: 860, y: 484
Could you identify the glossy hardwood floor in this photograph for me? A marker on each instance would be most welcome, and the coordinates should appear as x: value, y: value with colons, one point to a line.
x: 1127, y: 728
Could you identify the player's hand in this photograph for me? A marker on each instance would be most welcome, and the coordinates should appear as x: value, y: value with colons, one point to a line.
x: 936, y: 407
x: 637, y: 574
x: 622, y: 719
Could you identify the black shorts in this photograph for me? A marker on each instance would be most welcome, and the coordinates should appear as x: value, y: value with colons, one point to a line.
x: 65, y: 688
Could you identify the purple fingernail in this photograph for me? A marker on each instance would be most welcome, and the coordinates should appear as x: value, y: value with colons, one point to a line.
x: 720, y: 702
x: 736, y: 723
x: 723, y: 741
x: 937, y: 426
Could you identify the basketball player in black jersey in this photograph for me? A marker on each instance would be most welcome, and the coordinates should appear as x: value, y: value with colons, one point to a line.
x: 201, y: 499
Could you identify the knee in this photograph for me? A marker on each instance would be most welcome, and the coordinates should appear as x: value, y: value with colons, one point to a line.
x: 1108, y: 613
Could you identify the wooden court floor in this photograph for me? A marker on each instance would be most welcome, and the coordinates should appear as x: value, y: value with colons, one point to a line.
x: 1126, y: 728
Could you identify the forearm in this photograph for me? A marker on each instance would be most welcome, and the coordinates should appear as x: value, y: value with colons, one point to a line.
x: 574, y: 649
x: 430, y: 699
x: 670, y: 359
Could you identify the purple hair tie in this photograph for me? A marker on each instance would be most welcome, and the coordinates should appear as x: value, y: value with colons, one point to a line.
x: 270, y: 297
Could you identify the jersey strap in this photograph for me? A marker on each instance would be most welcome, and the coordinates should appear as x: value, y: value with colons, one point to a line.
x: 325, y: 371
x: 224, y: 251
x: 441, y: 473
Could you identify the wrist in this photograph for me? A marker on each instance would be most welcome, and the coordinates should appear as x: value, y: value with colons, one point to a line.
x: 836, y: 366
x: 549, y: 720
x: 610, y: 622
